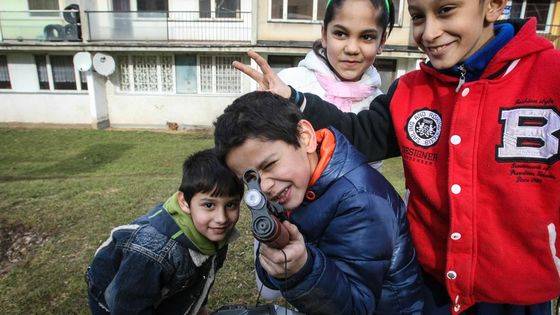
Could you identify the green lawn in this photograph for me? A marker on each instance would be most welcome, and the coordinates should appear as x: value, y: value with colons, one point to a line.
x: 72, y: 186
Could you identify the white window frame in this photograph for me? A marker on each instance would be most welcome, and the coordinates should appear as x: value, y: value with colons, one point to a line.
x: 549, y: 17
x: 400, y: 17
x: 131, y: 85
x: 285, y: 13
x: 213, y: 13
x: 50, y: 77
x: 199, y: 77
x: 130, y: 70
x: 29, y: 7
x: 42, y: 13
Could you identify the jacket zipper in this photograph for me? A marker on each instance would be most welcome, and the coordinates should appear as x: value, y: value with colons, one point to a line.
x: 461, y: 78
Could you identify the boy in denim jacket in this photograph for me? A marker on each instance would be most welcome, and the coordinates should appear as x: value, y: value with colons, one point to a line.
x: 165, y: 261
x: 349, y: 251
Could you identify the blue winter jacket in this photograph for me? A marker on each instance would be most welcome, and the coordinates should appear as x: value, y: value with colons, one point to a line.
x: 150, y: 267
x: 361, y: 259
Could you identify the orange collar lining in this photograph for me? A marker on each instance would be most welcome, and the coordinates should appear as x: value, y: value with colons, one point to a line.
x: 327, y: 143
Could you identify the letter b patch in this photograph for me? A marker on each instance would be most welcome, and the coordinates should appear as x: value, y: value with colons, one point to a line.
x: 529, y: 134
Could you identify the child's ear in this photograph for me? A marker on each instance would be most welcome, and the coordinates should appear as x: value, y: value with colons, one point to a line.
x: 307, y: 137
x: 494, y: 9
x: 183, y: 203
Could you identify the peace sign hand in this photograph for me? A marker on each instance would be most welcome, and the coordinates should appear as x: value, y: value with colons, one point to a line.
x: 267, y: 79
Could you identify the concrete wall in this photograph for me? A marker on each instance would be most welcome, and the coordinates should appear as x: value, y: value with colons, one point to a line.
x: 26, y: 103
x: 154, y: 111
x: 52, y: 108
x: 282, y: 31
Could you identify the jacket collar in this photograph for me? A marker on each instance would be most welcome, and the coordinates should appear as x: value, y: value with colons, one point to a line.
x: 336, y: 158
x: 173, y: 222
x: 503, y: 49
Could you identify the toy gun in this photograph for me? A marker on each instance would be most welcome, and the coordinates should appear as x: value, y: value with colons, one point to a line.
x: 267, y: 216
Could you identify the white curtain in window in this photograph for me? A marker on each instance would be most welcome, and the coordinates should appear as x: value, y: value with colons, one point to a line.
x: 41, y: 62
x: 62, y: 69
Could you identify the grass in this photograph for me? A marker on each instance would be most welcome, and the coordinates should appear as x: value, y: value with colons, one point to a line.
x: 73, y: 186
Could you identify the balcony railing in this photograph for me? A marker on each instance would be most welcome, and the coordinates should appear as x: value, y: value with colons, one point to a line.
x: 192, y: 26
x: 552, y: 33
x: 40, y: 25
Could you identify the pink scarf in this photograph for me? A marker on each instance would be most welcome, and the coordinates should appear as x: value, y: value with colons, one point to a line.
x: 343, y: 93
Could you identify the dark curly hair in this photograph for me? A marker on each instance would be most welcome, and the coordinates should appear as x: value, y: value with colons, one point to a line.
x: 256, y: 115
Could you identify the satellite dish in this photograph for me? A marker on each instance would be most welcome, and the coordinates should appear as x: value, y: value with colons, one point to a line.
x: 103, y: 64
x: 82, y: 61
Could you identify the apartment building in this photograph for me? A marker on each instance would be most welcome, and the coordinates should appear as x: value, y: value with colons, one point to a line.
x: 147, y: 63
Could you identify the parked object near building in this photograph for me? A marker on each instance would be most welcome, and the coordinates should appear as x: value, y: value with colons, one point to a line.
x: 172, y: 59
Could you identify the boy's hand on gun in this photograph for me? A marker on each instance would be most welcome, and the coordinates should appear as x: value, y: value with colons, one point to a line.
x: 282, y: 266
x: 267, y: 80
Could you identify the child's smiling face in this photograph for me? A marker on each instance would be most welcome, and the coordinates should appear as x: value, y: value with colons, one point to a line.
x: 450, y: 31
x: 353, y: 39
x: 285, y: 170
x: 213, y: 216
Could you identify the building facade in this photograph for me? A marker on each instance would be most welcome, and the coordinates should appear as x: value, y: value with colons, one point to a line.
x: 154, y: 63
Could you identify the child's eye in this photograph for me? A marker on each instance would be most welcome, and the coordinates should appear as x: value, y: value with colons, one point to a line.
x: 416, y: 18
x: 232, y: 206
x: 268, y: 166
x: 445, y: 10
x: 208, y: 205
x: 339, y: 34
x: 369, y: 37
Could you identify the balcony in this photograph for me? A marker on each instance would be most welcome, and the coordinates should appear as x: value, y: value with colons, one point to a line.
x: 551, y: 32
x: 191, y: 26
x: 40, y: 25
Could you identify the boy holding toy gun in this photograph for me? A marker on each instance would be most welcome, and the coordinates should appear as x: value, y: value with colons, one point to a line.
x: 348, y: 250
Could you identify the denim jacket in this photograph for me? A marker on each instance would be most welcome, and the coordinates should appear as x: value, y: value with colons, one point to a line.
x: 150, y: 267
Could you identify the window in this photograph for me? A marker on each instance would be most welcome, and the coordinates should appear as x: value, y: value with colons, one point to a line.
x: 218, y: 76
x: 222, y: 8
x: 541, y: 9
x: 4, y: 74
x: 185, y: 74
x: 178, y: 74
x: 43, y: 4
x: 278, y: 63
x: 152, y: 9
x: 151, y: 5
x: 313, y: 10
x: 387, y: 70
x: 146, y: 73
x: 121, y: 5
x: 58, y: 73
